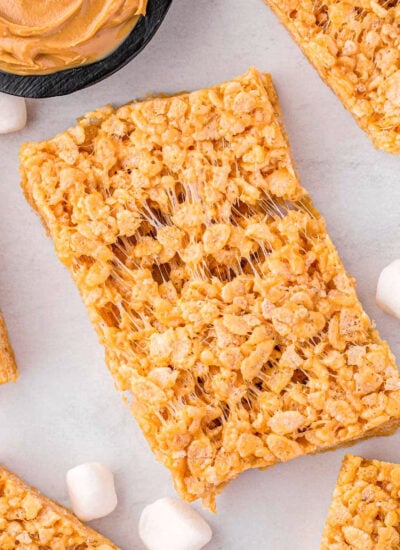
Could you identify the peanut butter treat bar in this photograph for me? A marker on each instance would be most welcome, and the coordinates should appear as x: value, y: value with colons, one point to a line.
x: 365, y: 510
x: 29, y: 520
x: 354, y: 45
x: 222, y: 303
x: 8, y: 368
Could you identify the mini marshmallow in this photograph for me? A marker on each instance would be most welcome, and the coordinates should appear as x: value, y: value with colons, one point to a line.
x: 170, y: 524
x: 12, y: 113
x: 388, y: 289
x: 91, y: 491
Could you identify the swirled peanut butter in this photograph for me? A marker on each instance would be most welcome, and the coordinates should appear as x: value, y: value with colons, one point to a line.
x: 44, y: 36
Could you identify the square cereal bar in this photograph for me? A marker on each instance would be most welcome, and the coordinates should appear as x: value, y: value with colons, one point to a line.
x: 365, y: 510
x: 8, y: 368
x: 30, y: 520
x: 221, y: 301
x: 355, y: 48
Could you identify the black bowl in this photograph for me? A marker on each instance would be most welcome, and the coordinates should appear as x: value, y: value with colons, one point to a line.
x: 71, y: 80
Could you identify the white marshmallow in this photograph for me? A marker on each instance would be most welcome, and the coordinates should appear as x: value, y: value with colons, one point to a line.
x: 170, y: 524
x: 91, y: 490
x: 388, y: 289
x: 12, y: 113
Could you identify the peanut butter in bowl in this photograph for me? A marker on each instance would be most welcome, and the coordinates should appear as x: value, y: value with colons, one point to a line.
x: 45, y: 36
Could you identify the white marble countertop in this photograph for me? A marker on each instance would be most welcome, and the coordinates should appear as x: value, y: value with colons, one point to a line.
x: 64, y: 409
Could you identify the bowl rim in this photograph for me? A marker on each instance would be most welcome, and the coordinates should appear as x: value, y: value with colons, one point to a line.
x: 71, y: 80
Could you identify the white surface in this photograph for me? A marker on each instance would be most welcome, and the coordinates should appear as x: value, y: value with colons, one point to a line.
x: 171, y: 524
x: 64, y: 409
x: 91, y: 490
x: 388, y: 289
x: 12, y: 113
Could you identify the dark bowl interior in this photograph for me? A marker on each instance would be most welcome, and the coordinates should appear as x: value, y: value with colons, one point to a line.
x: 71, y: 80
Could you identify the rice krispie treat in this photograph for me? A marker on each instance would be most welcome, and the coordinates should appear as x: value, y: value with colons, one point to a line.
x: 355, y: 48
x: 8, y: 368
x: 29, y: 520
x: 365, y: 510
x: 222, y: 303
